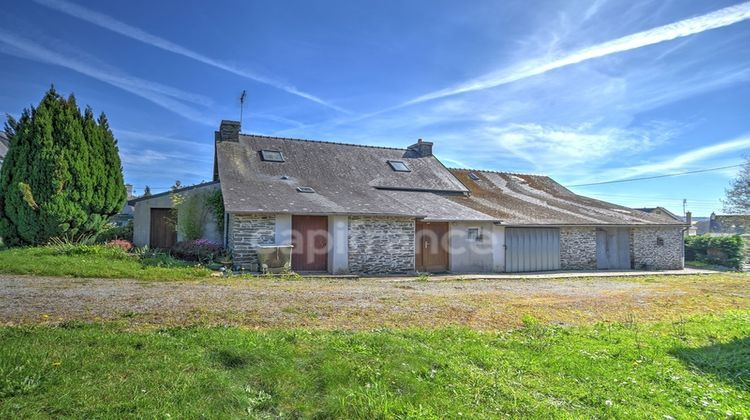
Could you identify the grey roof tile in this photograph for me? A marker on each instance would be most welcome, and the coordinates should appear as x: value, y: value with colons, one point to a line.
x: 347, y: 179
x: 519, y: 199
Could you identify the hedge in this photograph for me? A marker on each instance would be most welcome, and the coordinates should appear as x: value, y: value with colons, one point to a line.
x: 722, y: 250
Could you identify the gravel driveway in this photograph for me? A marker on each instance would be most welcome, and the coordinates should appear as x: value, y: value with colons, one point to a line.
x: 364, y: 304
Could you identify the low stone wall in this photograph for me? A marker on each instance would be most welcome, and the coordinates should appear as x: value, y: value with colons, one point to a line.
x: 578, y: 248
x: 381, y: 245
x: 658, y: 248
x: 246, y: 232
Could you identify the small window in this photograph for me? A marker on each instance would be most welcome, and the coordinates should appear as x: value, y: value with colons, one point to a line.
x: 475, y: 234
x: 659, y: 241
x: 305, y: 189
x: 398, y: 166
x: 473, y: 176
x: 271, y: 156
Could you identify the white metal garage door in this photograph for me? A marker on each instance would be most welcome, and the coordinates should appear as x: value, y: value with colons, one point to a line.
x: 532, y: 249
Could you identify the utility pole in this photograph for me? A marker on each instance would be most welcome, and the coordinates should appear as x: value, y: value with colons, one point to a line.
x: 684, y: 206
x: 242, y: 104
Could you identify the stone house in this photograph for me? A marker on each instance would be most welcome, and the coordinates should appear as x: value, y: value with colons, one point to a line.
x: 350, y: 208
x: 725, y: 224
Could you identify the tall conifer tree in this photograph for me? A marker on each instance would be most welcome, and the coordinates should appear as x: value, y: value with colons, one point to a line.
x: 62, y: 176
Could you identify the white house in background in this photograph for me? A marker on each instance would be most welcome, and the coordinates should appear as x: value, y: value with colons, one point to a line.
x: 4, y: 146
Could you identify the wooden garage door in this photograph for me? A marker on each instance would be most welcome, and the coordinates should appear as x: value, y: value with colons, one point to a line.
x: 310, y: 241
x: 432, y: 247
x: 532, y: 249
x: 163, y: 231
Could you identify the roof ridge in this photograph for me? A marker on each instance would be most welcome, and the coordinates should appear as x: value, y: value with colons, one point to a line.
x: 324, y: 142
x: 496, y: 172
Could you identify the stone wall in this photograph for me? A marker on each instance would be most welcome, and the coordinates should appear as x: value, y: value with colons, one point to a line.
x: 658, y: 248
x: 578, y: 248
x: 381, y: 245
x: 246, y: 232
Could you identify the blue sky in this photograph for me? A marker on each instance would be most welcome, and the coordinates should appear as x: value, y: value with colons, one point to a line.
x: 581, y: 91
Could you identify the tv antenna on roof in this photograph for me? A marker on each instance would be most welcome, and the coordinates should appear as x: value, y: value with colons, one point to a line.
x: 242, y: 104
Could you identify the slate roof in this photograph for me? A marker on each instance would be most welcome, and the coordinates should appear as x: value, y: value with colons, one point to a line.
x: 347, y: 179
x: 519, y: 199
x: 660, y: 210
x: 357, y: 180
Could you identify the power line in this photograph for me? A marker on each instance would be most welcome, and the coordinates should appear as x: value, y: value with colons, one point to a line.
x: 656, y: 176
x: 641, y: 197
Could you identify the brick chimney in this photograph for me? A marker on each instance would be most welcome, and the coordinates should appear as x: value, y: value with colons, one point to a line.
x: 229, y: 130
x: 420, y: 149
x: 689, y: 218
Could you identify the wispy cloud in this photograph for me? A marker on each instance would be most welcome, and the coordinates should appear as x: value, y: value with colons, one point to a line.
x: 132, y: 138
x: 122, y: 28
x: 164, y: 96
x: 685, y: 160
x: 593, y: 9
x: 554, y: 148
x: 718, y: 19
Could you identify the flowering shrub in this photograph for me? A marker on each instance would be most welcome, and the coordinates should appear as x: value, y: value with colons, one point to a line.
x: 201, y: 250
x: 120, y: 243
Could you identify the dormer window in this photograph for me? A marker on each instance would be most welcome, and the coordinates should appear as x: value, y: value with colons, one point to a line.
x: 271, y: 156
x: 399, y: 166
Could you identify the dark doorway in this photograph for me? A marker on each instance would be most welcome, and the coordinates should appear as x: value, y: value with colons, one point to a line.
x: 432, y: 247
x: 163, y: 232
x: 310, y: 240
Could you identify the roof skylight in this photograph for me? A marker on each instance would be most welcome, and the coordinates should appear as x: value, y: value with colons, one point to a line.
x: 473, y: 176
x: 271, y: 156
x: 305, y: 189
x: 399, y: 166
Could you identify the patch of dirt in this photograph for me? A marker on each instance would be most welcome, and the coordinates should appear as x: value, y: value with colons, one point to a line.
x: 365, y: 304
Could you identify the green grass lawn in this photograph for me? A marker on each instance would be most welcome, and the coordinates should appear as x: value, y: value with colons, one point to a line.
x: 90, y: 261
x: 695, y: 367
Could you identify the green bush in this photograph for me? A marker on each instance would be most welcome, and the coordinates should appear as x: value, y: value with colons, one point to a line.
x: 722, y: 250
x: 116, y: 232
x: 190, y: 211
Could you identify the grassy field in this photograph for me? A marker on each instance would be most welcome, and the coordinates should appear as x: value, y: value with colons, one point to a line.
x: 90, y: 261
x: 695, y: 367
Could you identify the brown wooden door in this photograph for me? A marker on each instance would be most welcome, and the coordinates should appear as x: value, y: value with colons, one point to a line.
x: 432, y: 247
x: 310, y: 240
x: 163, y: 232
